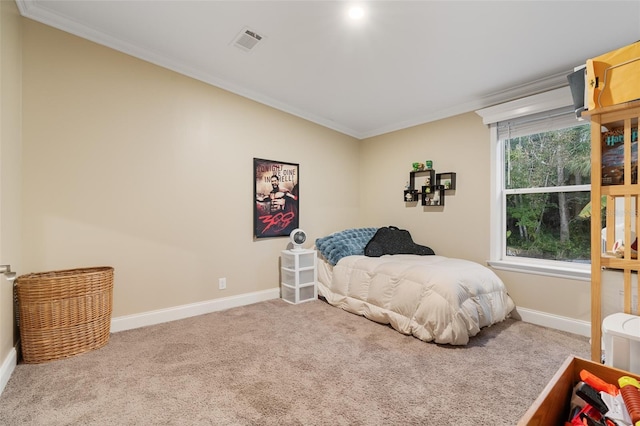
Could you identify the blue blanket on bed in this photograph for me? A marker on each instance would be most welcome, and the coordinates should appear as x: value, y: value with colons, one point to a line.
x: 344, y: 243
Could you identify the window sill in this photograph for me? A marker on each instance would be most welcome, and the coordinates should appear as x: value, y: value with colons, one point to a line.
x: 578, y: 271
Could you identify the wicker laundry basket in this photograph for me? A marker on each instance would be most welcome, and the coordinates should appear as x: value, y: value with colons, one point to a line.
x: 64, y: 313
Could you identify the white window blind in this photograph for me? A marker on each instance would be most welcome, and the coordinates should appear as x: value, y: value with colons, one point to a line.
x: 556, y: 119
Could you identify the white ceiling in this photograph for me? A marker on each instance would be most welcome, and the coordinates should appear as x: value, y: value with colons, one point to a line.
x: 405, y: 63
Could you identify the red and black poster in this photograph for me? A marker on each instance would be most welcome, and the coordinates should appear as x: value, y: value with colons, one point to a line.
x: 276, y: 211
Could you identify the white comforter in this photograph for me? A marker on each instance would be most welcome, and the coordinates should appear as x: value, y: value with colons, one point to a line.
x: 434, y: 298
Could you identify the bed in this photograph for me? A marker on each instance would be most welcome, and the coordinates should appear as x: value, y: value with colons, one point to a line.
x: 434, y: 298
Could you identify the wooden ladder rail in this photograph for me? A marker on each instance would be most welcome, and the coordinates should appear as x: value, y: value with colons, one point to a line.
x: 629, y: 116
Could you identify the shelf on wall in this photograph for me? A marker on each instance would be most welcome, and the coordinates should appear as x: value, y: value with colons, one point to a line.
x: 410, y: 195
x: 447, y: 180
x: 432, y: 193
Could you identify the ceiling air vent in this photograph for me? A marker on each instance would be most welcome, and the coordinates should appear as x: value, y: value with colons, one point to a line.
x: 247, y: 40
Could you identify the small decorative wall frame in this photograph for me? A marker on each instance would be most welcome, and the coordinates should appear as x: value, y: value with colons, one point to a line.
x: 447, y: 180
x: 410, y: 195
x: 432, y: 192
x: 433, y: 195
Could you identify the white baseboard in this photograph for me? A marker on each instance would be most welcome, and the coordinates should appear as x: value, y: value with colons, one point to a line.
x: 144, y: 319
x: 6, y: 370
x: 570, y: 325
x: 128, y: 322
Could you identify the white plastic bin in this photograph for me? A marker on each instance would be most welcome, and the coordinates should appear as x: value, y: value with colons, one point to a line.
x: 621, y: 334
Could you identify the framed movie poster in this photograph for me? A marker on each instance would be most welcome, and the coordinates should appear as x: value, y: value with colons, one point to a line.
x: 276, y: 188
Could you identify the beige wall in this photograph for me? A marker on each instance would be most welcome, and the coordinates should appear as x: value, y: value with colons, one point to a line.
x: 460, y: 228
x: 459, y: 144
x: 131, y: 165
x: 10, y: 116
x: 556, y: 296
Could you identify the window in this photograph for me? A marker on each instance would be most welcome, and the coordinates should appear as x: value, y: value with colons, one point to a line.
x: 546, y: 185
x: 541, y: 182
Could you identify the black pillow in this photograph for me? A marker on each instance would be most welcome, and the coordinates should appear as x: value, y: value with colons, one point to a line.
x: 392, y: 240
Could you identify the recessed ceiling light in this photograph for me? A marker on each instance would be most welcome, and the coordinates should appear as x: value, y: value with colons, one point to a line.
x: 356, y: 12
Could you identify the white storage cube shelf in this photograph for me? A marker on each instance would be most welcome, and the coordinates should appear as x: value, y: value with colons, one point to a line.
x: 299, y: 276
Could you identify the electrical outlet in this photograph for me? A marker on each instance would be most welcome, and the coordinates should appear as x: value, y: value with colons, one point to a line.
x: 222, y: 283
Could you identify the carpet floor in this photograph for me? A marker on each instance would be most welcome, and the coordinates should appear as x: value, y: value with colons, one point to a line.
x: 272, y: 363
